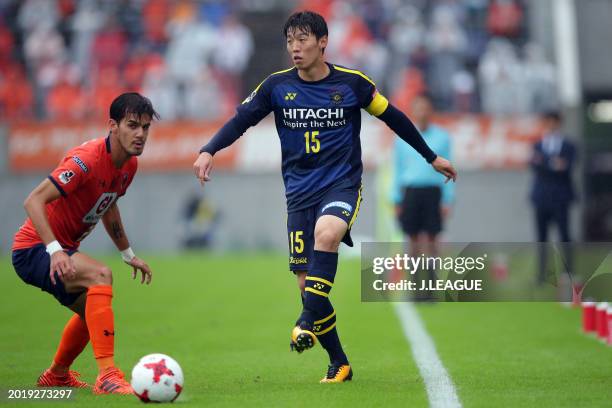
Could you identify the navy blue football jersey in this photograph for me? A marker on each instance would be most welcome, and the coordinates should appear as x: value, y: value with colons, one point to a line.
x: 318, y: 123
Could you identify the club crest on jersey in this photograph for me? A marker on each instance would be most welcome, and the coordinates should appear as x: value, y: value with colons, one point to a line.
x: 80, y: 163
x: 65, y: 176
x: 336, y: 97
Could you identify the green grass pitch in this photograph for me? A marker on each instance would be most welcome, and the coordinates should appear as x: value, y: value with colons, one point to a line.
x: 226, y: 320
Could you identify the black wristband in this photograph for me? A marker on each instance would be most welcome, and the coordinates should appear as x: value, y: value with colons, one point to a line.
x: 206, y: 149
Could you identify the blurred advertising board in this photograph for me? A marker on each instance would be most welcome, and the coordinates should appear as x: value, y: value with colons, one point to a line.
x: 479, y: 142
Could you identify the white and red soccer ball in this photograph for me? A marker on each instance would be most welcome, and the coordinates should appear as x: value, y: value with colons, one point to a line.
x: 157, y: 378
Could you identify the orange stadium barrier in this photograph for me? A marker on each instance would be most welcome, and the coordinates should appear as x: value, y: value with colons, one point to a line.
x: 479, y: 142
x: 34, y: 147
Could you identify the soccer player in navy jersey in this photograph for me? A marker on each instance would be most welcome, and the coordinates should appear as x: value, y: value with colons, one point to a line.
x: 316, y: 108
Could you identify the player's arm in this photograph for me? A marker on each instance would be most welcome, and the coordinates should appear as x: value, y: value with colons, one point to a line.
x: 377, y: 105
x: 35, y: 206
x: 397, y: 121
x: 114, y: 228
x: 227, y: 135
x: 252, y: 110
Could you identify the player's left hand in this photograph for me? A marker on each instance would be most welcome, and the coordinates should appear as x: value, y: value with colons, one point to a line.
x: 445, y: 167
x: 139, y: 265
x: 203, y: 166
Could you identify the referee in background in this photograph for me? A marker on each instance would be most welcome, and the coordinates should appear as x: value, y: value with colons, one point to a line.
x: 421, y: 197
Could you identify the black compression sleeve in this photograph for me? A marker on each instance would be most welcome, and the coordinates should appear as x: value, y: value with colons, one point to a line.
x: 228, y: 134
x: 405, y: 129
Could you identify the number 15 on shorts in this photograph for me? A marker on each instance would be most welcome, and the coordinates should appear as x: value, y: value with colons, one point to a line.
x: 296, y: 242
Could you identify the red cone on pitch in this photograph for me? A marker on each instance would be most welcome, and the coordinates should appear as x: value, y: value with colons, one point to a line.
x: 609, y: 321
x: 588, y: 317
x: 601, y: 320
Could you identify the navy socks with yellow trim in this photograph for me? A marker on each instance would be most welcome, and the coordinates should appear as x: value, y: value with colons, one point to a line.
x: 319, y: 282
x: 327, y: 333
x: 318, y: 313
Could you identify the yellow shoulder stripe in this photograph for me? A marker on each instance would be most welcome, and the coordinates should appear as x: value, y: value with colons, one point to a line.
x: 274, y: 73
x: 354, y: 71
x: 378, y: 105
x: 252, y: 94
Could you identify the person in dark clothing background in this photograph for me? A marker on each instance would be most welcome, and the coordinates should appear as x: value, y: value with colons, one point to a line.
x: 552, y: 192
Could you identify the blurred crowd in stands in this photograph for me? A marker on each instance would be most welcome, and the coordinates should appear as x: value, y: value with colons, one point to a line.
x: 67, y: 59
x: 470, y: 55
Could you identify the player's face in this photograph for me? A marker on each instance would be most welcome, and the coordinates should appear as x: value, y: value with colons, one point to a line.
x: 132, y: 133
x: 304, y: 48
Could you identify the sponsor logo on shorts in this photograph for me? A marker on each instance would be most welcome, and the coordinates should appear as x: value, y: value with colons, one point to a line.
x: 298, y: 261
x: 65, y: 176
x: 80, y: 162
x: 340, y: 204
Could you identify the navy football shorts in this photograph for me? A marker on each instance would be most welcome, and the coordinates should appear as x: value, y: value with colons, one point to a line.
x: 33, y: 264
x: 342, y: 203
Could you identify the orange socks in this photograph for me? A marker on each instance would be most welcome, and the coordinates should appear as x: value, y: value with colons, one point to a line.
x: 100, y: 321
x: 74, y: 339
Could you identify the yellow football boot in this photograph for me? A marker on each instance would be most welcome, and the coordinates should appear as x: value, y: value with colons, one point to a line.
x: 302, y: 339
x: 337, y: 373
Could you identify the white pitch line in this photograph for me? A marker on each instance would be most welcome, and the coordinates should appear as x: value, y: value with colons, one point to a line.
x: 440, y: 389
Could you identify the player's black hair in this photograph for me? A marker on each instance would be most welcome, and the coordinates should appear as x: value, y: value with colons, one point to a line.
x: 134, y: 103
x: 307, y: 21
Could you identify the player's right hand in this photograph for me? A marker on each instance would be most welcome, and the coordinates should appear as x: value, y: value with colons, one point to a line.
x: 203, y: 166
x: 62, y: 264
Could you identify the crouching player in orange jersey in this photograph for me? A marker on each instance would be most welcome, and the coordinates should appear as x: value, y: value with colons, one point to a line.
x: 63, y: 210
